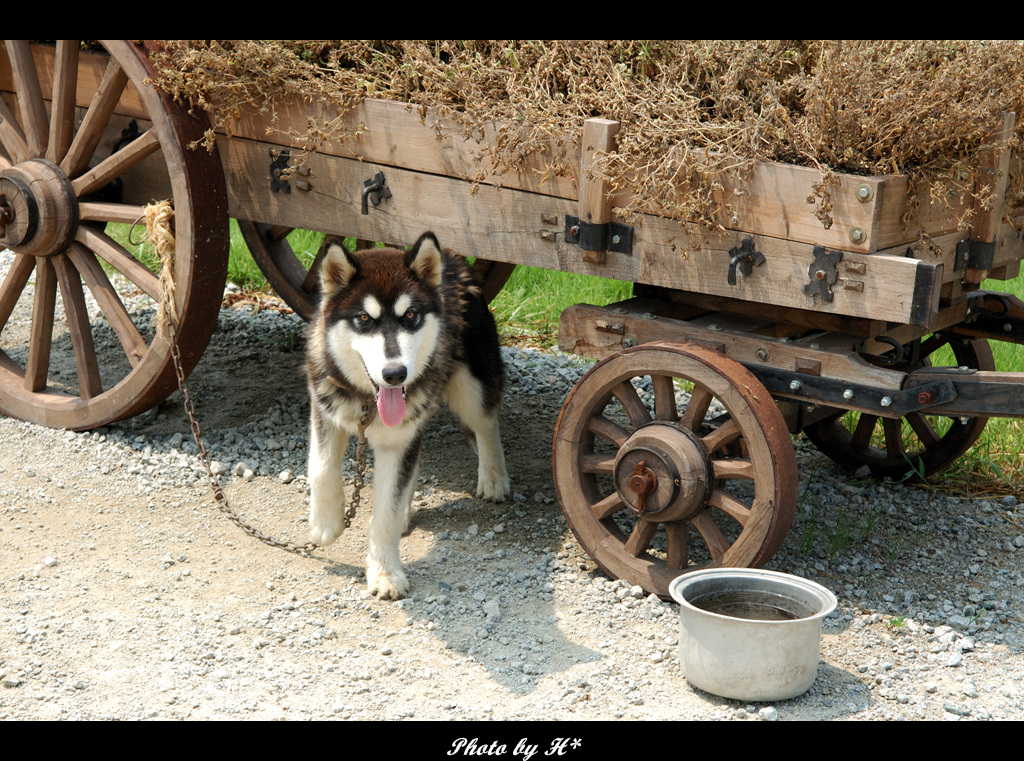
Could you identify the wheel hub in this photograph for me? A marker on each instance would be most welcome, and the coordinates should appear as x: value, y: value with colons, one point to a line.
x: 662, y: 472
x: 38, y: 208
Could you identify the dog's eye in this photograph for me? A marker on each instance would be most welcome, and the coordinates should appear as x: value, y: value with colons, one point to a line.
x: 411, y: 316
x: 363, y: 320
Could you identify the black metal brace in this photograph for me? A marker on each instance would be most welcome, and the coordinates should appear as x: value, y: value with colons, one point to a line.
x: 610, y: 236
x: 744, y: 258
x: 974, y: 255
x: 823, y: 272
x: 838, y: 393
x: 375, y: 190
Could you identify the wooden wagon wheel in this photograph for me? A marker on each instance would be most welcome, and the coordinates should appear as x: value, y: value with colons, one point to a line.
x: 300, y: 287
x: 653, y: 486
x: 64, y: 175
x: 916, y: 445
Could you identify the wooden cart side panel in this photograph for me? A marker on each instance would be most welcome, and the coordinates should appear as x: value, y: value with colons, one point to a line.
x: 395, y: 134
x: 527, y: 228
x: 762, y: 197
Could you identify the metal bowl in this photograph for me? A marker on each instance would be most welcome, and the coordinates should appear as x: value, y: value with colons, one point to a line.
x: 750, y: 634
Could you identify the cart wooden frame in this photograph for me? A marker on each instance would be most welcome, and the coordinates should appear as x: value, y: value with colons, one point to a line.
x: 674, y: 452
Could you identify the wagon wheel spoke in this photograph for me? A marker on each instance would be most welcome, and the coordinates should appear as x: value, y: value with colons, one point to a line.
x: 62, y: 110
x: 924, y: 430
x: 30, y: 96
x: 665, y: 407
x: 697, y: 409
x: 722, y: 436
x: 116, y: 164
x: 864, y: 430
x: 640, y: 540
x: 42, y: 326
x: 95, y: 121
x: 110, y: 303
x: 15, y: 282
x: 722, y: 500
x: 89, y: 383
x: 608, y: 430
x: 11, y: 137
x: 651, y: 496
x: 114, y: 254
x: 676, y: 540
x: 634, y: 408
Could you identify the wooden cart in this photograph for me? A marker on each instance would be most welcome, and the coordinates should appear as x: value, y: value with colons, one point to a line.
x: 674, y: 452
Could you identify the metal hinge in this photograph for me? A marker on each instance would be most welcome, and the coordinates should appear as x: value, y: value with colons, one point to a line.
x: 610, y: 236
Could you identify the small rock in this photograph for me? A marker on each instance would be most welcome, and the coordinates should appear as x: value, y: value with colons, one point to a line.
x: 768, y: 714
x: 49, y: 562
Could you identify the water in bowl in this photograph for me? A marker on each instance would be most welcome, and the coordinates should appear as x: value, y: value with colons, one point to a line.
x: 752, y: 604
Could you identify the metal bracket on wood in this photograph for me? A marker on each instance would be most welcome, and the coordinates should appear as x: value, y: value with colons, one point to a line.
x: 744, y: 258
x: 375, y: 190
x: 278, y: 167
x: 843, y: 394
x: 823, y: 272
x: 607, y: 237
x: 974, y: 254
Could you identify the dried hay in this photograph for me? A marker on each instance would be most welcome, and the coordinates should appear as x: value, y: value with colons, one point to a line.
x: 688, y: 109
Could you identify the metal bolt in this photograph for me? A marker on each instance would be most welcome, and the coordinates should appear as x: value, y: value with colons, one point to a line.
x: 848, y: 394
x: 857, y: 235
x: 819, y: 275
x: 616, y: 239
x: 925, y: 397
x: 865, y: 193
x: 762, y: 354
x: 1007, y: 327
x: 886, y: 401
x: 794, y: 385
x: 629, y: 341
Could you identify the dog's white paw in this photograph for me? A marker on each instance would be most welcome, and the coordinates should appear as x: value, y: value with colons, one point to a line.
x: 495, y: 487
x: 325, y: 525
x: 384, y: 585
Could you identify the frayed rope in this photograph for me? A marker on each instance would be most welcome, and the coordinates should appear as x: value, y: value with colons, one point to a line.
x: 160, y: 228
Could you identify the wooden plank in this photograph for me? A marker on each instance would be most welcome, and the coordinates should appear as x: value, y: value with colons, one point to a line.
x: 595, y: 203
x: 394, y: 134
x: 527, y: 228
x: 978, y: 393
x: 580, y: 333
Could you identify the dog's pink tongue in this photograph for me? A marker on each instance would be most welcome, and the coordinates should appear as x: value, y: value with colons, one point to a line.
x: 391, y: 406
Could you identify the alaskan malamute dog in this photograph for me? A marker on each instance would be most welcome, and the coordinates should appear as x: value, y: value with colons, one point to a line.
x: 398, y: 333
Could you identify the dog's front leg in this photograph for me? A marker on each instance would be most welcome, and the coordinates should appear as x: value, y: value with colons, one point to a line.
x: 394, y: 471
x: 327, y: 486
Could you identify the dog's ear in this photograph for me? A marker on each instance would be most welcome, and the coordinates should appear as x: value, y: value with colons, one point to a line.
x: 424, y: 259
x: 337, y: 268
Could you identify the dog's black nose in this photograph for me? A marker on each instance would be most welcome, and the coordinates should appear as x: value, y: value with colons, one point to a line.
x: 395, y: 375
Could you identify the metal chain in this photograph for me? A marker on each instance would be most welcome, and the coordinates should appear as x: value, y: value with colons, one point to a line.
x: 218, y: 492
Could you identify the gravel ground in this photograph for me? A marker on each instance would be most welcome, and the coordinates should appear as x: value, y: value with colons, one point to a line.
x: 124, y: 594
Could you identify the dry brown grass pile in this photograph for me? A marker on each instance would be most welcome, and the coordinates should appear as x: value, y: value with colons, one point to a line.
x: 688, y: 108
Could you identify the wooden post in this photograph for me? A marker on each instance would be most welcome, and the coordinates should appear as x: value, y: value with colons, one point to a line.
x: 595, y: 204
x: 989, y: 216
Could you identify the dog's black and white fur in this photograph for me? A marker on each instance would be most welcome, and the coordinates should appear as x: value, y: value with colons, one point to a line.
x: 402, y: 332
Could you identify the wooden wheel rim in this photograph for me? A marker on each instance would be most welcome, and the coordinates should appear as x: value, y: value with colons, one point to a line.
x: 754, y: 426
x: 849, y: 438
x: 47, y: 135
